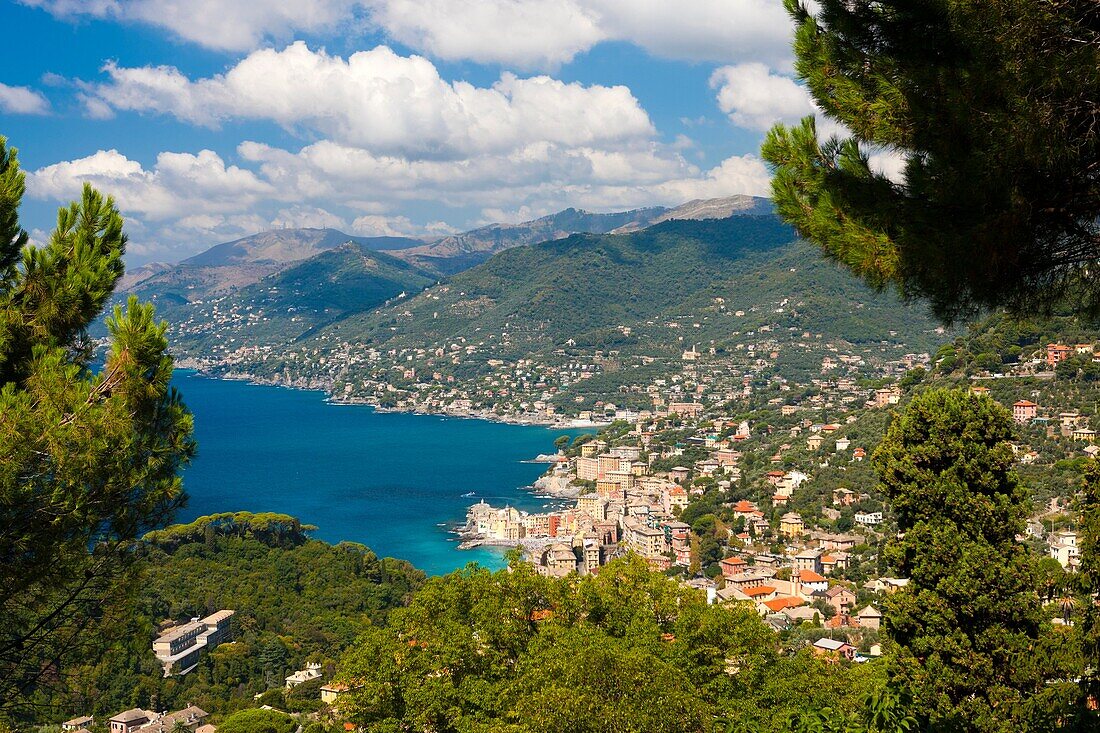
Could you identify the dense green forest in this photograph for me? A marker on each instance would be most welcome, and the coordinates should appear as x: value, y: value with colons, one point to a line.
x: 296, y: 600
x: 627, y: 650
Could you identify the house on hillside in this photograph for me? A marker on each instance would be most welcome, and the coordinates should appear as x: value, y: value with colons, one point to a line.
x: 1063, y: 548
x: 868, y: 519
x: 812, y: 582
x: 808, y: 560
x: 833, y: 561
x: 1057, y: 353
x: 833, y: 648
x: 1024, y: 411
x: 679, y: 474
x: 887, y: 396
x: 130, y: 720
x: 869, y: 617
x: 732, y: 566
x: 190, y: 718
x: 179, y: 649
x: 1084, y: 434
x: 840, y: 599
x: 311, y: 672
x: 331, y: 692
x: 791, y: 525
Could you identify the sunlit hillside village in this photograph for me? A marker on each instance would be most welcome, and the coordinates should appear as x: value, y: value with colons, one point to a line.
x: 638, y: 487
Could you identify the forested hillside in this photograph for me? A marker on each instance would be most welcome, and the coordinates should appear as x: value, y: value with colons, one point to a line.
x: 296, y: 599
x: 585, y: 288
x: 742, y: 290
x: 348, y: 279
x: 625, y: 650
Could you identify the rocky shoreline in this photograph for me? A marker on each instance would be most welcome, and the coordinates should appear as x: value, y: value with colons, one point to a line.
x: 556, y: 487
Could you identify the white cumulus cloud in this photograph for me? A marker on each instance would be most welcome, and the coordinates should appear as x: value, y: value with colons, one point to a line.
x: 516, y: 33
x: 545, y: 33
x: 525, y: 33
x: 22, y: 101
x: 755, y: 98
x: 179, y: 185
x: 231, y: 25
x: 382, y: 101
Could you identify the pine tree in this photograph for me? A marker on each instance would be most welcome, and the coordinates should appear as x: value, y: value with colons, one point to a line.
x: 994, y: 108
x: 273, y: 658
x: 962, y: 631
x: 89, y: 459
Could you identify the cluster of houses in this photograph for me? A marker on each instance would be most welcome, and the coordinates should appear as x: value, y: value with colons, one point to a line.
x: 635, y: 509
x: 523, y: 377
x: 629, y: 510
x: 1069, y: 424
x: 1057, y: 353
x: 786, y: 594
x: 137, y: 720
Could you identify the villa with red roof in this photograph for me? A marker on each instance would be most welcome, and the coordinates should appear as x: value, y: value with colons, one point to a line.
x: 1024, y: 411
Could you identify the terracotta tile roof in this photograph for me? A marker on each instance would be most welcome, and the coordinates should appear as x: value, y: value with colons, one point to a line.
x: 778, y: 604
x: 760, y: 590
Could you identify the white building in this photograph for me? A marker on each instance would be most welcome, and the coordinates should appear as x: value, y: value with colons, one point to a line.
x: 180, y: 648
x: 1064, y: 549
x: 868, y: 519
x: 311, y: 672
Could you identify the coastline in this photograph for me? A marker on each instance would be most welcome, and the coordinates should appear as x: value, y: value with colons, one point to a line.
x: 357, y: 475
x: 205, y: 371
x: 547, y: 486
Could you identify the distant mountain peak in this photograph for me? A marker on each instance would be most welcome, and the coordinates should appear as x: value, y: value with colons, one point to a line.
x: 458, y: 252
x: 716, y: 208
x: 284, y: 246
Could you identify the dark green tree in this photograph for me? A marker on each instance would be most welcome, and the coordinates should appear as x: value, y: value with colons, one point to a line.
x: 273, y: 658
x: 1089, y: 574
x: 993, y: 106
x: 963, y: 629
x: 88, y: 459
x: 259, y: 721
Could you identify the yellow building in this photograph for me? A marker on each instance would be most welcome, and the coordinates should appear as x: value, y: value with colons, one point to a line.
x: 791, y: 525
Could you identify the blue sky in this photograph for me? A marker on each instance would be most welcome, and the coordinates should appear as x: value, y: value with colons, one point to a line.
x: 212, y: 119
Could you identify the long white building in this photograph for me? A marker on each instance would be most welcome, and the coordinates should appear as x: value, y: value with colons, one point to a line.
x: 179, y: 649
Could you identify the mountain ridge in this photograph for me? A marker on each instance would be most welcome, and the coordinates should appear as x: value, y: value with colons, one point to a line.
x: 715, y: 208
x: 458, y: 252
x: 288, y: 245
x: 743, y: 288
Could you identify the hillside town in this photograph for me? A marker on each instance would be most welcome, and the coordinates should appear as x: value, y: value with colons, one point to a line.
x: 770, y: 500
x: 714, y: 354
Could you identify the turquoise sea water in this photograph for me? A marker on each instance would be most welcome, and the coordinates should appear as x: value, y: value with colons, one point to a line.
x: 387, y: 480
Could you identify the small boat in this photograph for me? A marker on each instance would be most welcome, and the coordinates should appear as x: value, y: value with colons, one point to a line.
x: 467, y: 495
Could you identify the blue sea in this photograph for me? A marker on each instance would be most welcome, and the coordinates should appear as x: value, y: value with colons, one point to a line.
x: 394, y: 482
